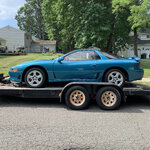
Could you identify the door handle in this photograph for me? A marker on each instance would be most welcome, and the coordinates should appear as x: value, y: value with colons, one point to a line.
x: 93, y: 66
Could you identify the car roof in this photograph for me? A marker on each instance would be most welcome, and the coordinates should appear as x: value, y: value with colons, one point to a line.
x: 86, y: 50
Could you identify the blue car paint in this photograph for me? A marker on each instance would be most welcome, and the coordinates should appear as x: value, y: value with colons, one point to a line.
x: 133, y: 58
x: 46, y: 64
x: 86, y: 70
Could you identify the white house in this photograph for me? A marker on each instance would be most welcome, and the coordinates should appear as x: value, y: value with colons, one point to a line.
x: 43, y: 46
x: 143, y: 44
x: 14, y: 38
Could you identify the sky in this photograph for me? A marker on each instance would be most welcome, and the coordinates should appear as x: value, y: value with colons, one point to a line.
x: 8, y: 10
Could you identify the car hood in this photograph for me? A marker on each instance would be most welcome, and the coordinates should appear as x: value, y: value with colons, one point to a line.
x: 35, y: 62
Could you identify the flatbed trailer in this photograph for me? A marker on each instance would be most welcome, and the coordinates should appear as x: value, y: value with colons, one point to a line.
x: 78, y: 94
x: 48, y: 92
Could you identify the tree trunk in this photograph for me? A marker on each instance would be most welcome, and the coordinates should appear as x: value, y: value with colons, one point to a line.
x: 110, y: 39
x: 135, y: 42
x: 102, y: 46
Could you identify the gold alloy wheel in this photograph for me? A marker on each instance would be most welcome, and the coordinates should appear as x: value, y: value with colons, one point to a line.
x: 77, y: 98
x: 109, y: 98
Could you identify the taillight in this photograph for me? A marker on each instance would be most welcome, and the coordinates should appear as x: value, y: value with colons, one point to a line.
x: 138, y: 63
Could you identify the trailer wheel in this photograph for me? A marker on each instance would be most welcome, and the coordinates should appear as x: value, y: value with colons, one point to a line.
x: 77, y: 98
x: 108, y: 98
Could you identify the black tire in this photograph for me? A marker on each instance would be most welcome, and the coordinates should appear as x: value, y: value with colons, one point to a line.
x: 71, y: 103
x: 115, y: 97
x: 42, y: 83
x: 114, y: 70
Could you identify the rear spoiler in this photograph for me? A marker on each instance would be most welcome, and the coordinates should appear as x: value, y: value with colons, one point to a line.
x: 133, y: 58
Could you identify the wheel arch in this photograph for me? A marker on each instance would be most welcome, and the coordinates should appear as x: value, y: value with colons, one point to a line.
x: 34, y: 66
x: 118, y: 68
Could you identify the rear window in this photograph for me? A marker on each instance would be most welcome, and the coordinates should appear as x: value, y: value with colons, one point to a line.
x: 110, y: 56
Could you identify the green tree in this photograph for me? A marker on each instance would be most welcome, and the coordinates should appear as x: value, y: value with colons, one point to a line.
x: 139, y: 17
x: 77, y: 24
x: 119, y: 32
x: 54, y: 22
x: 30, y: 19
x: 83, y: 24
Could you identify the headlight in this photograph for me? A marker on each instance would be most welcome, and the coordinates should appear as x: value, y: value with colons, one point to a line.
x: 14, y: 69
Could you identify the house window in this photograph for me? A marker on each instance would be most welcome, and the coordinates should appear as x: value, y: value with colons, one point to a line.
x: 148, y: 36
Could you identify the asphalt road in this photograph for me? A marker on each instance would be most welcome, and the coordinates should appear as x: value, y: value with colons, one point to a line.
x: 46, y: 124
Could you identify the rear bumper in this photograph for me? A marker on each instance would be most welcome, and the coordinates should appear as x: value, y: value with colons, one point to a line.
x: 15, y: 77
x: 136, y: 75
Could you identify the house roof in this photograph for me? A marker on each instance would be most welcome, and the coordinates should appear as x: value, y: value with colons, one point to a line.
x: 143, y: 41
x: 146, y: 30
x: 139, y: 41
x: 44, y: 42
x: 2, y: 39
x: 10, y: 27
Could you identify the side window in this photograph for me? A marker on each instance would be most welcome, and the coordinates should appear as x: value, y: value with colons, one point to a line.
x: 97, y: 57
x: 82, y: 55
x: 74, y: 56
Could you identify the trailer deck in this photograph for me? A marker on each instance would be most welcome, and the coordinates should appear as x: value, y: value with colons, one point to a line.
x: 48, y: 92
x: 136, y: 89
x: 54, y: 92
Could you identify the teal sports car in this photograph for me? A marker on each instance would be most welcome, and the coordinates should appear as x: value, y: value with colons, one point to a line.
x: 85, y: 65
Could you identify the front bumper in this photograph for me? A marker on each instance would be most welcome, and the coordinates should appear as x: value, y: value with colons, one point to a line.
x: 15, y: 76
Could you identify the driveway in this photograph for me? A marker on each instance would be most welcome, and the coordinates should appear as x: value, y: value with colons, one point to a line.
x: 145, y: 80
x: 46, y: 124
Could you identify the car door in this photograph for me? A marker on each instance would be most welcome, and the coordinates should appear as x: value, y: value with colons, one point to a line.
x: 77, y: 66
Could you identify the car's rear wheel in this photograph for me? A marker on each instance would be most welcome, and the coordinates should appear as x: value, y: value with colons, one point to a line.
x: 115, y: 76
x: 35, y: 78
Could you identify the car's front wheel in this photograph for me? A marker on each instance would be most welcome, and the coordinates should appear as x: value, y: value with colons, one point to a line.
x: 35, y: 78
x: 115, y: 76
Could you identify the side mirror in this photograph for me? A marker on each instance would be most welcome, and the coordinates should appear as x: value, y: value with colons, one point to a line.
x: 60, y: 59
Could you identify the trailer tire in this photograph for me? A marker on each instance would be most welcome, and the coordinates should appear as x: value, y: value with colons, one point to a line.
x: 77, y: 98
x: 108, y: 98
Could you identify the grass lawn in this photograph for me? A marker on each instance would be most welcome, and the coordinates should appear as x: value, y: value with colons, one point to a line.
x: 145, y: 83
x: 6, y: 62
x: 146, y: 66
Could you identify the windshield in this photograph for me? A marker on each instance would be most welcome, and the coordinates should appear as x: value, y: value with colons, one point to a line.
x: 110, y: 56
